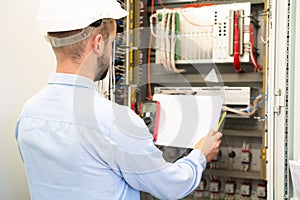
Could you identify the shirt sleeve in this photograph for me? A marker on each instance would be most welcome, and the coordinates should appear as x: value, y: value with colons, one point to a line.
x: 17, y: 129
x: 141, y: 164
x: 17, y: 137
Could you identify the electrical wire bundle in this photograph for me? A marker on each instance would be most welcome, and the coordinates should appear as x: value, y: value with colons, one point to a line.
x: 249, y: 111
x: 119, y: 70
x: 169, y: 64
x: 166, y: 35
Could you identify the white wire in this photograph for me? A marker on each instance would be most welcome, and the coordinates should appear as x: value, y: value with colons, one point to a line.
x: 151, y: 24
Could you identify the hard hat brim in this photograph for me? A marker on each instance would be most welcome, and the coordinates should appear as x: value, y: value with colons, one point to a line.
x: 121, y: 14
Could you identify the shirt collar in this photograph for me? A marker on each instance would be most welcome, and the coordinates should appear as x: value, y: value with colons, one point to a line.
x: 72, y: 80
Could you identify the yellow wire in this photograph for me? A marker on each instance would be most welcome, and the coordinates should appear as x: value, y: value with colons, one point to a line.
x: 221, y: 121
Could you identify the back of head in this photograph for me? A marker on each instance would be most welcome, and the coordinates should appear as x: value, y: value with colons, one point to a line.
x: 68, y: 23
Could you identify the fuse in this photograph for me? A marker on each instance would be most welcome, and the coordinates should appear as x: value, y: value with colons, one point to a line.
x: 230, y: 187
x: 261, y: 190
x: 214, y: 189
x: 214, y: 186
x: 245, y: 160
x: 246, y: 189
x: 245, y: 157
x: 229, y: 190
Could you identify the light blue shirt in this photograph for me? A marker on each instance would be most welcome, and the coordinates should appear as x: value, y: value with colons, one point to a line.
x: 78, y: 145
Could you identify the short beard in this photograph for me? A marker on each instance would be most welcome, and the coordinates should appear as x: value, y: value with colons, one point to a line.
x: 103, y: 64
x: 102, y: 75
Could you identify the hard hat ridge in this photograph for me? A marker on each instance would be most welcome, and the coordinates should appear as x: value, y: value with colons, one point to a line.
x: 67, y: 15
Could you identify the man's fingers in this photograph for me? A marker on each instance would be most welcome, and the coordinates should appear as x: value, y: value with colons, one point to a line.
x: 219, y: 135
x: 212, y: 133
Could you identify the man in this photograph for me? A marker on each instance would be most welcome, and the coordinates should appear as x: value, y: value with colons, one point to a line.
x: 76, y: 144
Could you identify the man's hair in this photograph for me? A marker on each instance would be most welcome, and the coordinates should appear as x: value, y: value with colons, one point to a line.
x: 75, y: 51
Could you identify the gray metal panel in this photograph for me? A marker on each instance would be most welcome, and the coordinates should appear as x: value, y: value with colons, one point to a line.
x: 244, y: 133
x: 281, y: 105
x: 233, y: 173
x: 196, y: 78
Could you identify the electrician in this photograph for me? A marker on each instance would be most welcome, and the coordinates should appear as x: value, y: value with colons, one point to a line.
x: 75, y: 144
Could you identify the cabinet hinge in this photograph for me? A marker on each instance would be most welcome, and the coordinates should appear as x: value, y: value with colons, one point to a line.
x: 278, y: 101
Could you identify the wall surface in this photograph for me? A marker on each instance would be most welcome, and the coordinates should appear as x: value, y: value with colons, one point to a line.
x: 25, y: 62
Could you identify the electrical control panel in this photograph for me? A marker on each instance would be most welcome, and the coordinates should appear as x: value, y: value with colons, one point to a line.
x: 200, y: 44
x: 213, y: 49
x: 202, y: 34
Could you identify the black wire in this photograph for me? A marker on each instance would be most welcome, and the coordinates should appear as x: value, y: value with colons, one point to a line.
x: 262, y: 13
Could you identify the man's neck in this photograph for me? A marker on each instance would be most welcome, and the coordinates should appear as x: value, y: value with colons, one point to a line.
x: 68, y: 67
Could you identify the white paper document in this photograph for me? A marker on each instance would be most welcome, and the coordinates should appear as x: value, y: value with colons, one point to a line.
x: 295, y: 172
x: 185, y: 119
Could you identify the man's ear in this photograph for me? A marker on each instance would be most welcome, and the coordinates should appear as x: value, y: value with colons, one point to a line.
x: 97, y: 42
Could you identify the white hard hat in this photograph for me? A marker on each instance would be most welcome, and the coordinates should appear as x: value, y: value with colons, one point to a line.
x: 67, y: 15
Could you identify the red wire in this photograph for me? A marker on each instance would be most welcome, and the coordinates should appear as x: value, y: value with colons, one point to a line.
x: 162, y: 5
x: 187, y: 6
x: 156, y: 121
x: 236, y: 55
x: 257, y: 67
x: 194, y: 5
x: 152, y: 7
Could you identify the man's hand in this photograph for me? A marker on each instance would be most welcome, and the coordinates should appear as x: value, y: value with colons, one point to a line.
x: 210, y: 145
